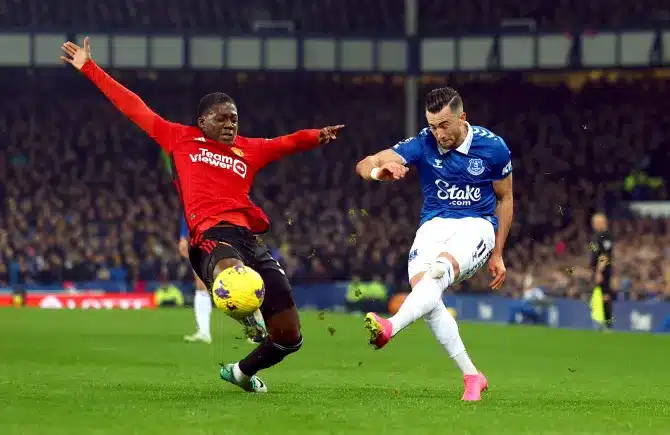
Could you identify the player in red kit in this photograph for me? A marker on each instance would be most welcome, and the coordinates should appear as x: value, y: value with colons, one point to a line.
x: 214, y: 169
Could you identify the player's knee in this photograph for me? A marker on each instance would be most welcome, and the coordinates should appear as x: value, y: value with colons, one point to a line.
x: 288, y: 338
x: 284, y: 331
x: 444, y: 268
x: 284, y: 327
x: 288, y: 334
x: 452, y: 260
x: 288, y: 346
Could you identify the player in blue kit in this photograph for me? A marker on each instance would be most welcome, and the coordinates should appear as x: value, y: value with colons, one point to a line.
x: 465, y: 174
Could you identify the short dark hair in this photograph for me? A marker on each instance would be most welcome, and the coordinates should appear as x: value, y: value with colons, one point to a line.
x: 211, y: 100
x: 440, y: 97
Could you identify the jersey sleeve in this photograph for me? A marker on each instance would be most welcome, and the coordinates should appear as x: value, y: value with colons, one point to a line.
x: 501, y: 160
x: 409, y: 149
x: 183, y: 228
x: 131, y: 105
x: 278, y: 147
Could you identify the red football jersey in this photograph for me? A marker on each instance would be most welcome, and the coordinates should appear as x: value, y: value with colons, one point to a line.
x: 213, y: 179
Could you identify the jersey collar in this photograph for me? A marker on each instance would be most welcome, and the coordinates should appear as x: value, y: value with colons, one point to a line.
x: 463, y: 148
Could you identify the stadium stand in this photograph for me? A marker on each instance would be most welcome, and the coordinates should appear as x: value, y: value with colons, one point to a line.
x: 440, y: 18
x: 87, y: 198
x: 376, y: 17
x: 321, y: 16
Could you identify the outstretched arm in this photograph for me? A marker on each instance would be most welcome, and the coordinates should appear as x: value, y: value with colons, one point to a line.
x: 301, y: 140
x: 391, y: 164
x: 386, y: 165
x: 127, y: 102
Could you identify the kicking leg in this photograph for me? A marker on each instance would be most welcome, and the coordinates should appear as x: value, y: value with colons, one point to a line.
x: 445, y: 329
x: 427, y: 289
x: 427, y: 292
x: 427, y: 302
x: 439, y: 320
x: 468, y: 256
x: 464, y: 246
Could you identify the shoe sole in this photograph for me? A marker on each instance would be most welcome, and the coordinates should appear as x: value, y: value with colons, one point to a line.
x: 485, y: 389
x: 255, y: 331
x: 374, y: 328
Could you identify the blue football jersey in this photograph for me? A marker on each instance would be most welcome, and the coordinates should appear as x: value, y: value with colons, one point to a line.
x: 458, y: 183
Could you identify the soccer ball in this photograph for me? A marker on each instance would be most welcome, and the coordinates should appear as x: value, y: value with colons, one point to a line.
x: 238, y: 291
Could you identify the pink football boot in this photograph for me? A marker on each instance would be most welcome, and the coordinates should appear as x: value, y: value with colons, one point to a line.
x: 380, y: 330
x: 475, y: 385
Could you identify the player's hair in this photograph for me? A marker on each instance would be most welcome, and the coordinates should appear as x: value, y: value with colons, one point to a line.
x: 211, y: 100
x: 440, y: 97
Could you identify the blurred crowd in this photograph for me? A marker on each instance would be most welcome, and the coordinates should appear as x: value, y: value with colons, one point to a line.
x: 329, y: 17
x: 87, y: 196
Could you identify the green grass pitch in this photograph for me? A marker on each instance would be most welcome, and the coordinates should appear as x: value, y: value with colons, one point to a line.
x: 128, y: 372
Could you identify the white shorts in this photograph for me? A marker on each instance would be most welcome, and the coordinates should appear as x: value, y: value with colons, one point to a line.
x: 469, y: 240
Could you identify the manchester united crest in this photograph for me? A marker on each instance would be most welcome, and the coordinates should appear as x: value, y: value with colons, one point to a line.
x: 238, y: 152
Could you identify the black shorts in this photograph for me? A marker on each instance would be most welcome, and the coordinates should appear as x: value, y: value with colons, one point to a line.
x: 228, y: 241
